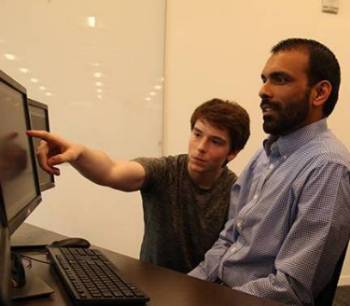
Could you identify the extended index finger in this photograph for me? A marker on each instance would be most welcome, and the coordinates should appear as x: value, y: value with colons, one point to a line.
x: 47, y: 140
x: 44, y: 135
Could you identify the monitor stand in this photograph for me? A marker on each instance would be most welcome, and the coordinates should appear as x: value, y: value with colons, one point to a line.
x: 34, y: 287
x: 28, y: 285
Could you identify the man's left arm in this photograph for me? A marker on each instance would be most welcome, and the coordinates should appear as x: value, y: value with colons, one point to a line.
x: 317, y: 238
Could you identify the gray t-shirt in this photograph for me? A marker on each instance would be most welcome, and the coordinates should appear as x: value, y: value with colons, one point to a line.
x: 182, y: 221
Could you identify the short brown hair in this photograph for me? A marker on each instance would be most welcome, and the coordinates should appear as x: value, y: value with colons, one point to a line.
x: 225, y: 115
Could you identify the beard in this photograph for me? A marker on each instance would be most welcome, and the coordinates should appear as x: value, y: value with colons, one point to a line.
x: 285, y: 118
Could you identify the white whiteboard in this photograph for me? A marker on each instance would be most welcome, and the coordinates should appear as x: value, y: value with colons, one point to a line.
x: 67, y: 47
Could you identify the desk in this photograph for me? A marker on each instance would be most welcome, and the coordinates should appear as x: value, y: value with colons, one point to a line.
x: 165, y: 287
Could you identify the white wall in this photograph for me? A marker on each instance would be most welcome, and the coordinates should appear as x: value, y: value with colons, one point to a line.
x: 218, y: 49
x: 54, y: 42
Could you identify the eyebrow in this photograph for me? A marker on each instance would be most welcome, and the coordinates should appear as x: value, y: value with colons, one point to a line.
x: 212, y: 137
x: 275, y: 74
x: 197, y: 129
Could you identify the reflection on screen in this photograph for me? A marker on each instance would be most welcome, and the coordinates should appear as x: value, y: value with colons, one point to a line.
x: 16, y: 171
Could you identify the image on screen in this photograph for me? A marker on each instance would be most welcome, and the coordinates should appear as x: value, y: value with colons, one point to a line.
x: 40, y: 121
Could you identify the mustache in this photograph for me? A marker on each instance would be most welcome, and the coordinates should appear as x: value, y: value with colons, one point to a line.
x: 274, y: 105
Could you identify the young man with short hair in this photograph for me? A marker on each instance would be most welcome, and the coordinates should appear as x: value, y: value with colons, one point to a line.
x: 290, y: 208
x: 185, y: 197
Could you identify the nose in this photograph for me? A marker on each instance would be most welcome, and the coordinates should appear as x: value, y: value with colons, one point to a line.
x: 265, y: 91
x: 202, y: 145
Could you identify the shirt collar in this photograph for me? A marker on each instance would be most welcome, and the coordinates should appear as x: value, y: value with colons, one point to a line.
x: 285, y: 145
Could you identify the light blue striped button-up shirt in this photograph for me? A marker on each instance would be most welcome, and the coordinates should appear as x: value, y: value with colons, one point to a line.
x: 289, y: 219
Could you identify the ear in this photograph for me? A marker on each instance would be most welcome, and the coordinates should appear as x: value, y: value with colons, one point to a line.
x: 320, y: 92
x: 231, y: 156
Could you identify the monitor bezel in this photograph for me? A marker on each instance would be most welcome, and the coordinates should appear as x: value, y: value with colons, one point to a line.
x: 5, y: 266
x: 19, y: 218
x: 45, y: 108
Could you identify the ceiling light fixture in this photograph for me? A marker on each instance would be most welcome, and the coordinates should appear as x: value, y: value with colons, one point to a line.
x: 9, y: 56
x: 91, y: 21
x: 23, y: 70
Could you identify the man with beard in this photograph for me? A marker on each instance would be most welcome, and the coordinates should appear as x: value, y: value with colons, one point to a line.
x: 290, y: 208
x: 185, y: 197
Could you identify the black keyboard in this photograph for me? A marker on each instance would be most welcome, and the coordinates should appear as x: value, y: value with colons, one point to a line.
x: 91, y: 279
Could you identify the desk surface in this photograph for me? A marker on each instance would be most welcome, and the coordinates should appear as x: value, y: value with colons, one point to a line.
x: 165, y: 287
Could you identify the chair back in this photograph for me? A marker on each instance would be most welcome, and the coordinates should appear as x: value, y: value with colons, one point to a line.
x: 326, y: 296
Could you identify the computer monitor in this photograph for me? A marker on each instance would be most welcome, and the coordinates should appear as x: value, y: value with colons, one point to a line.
x: 39, y: 119
x: 19, y: 183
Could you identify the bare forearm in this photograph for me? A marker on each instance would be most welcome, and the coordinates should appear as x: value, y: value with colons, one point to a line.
x: 95, y: 165
x: 98, y: 167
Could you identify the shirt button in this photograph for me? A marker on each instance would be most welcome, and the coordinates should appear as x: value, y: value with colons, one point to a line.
x: 271, y: 166
x: 255, y: 197
x: 233, y: 249
x: 239, y: 225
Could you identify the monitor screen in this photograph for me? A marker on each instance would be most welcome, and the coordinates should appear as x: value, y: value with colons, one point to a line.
x: 39, y: 119
x: 19, y: 186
